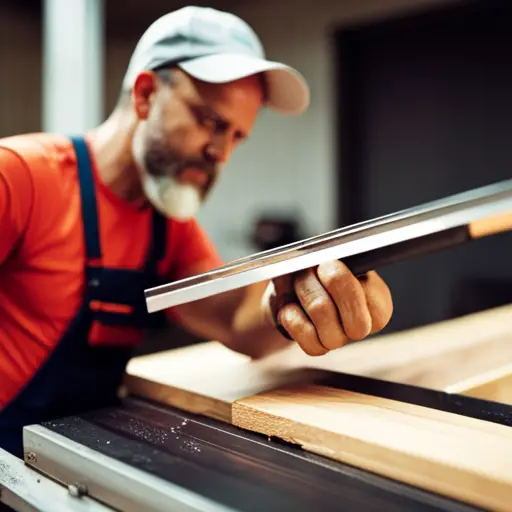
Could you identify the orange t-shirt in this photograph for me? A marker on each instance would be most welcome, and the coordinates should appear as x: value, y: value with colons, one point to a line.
x: 42, y: 250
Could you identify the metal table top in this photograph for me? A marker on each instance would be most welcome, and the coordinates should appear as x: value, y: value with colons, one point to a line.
x: 143, y: 456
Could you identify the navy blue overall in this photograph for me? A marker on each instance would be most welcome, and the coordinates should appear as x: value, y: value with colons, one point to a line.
x: 79, y: 376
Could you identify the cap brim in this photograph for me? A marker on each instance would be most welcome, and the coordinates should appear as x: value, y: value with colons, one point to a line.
x: 287, y: 91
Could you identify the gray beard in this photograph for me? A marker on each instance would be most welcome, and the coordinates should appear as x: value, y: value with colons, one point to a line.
x: 159, y: 171
x: 180, y: 201
x: 160, y: 164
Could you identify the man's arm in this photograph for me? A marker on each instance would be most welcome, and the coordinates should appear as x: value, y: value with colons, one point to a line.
x: 16, y: 194
x: 234, y: 318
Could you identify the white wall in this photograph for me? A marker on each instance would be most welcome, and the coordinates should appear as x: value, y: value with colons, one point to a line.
x: 72, y: 65
x: 289, y: 163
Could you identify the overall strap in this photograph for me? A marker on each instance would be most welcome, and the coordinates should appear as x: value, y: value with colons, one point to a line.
x: 156, y: 252
x: 88, y: 196
x: 158, y: 244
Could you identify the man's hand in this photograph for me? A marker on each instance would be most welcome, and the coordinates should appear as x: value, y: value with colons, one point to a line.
x: 321, y: 309
x: 324, y: 308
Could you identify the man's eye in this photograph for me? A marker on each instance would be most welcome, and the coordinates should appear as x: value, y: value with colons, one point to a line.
x: 209, y: 122
x: 216, y: 125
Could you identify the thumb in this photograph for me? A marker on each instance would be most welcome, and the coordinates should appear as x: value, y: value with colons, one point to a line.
x: 284, y: 294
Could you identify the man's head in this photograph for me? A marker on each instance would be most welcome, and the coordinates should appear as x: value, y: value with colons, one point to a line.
x: 197, y: 81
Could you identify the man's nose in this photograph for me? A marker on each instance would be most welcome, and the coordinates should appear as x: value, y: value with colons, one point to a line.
x: 219, y: 149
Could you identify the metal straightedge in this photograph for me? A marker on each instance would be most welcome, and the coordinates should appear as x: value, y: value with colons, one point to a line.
x: 403, y: 234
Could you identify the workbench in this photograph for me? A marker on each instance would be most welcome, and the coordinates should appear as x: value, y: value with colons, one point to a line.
x: 191, y: 437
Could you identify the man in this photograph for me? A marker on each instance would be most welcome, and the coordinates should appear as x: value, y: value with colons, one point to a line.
x: 88, y: 223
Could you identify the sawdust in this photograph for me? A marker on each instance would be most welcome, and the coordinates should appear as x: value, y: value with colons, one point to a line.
x: 9, y: 476
x: 190, y: 446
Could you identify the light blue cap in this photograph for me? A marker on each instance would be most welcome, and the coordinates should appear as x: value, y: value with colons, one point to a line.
x: 216, y: 46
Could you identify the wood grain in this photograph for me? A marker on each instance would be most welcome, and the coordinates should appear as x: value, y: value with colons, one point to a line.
x: 463, y: 458
x: 207, y: 378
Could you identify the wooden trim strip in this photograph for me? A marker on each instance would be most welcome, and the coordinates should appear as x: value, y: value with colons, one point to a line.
x: 491, y: 225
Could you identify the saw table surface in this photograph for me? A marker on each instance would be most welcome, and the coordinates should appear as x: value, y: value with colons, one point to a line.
x: 224, y: 467
x: 417, y: 420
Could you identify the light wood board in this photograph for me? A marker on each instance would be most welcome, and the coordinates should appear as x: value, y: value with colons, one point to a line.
x: 459, y: 457
x: 495, y: 385
x: 449, y: 454
x: 207, y: 378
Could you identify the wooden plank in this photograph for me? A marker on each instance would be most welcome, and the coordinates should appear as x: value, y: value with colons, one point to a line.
x: 495, y: 385
x: 207, y: 378
x: 463, y: 458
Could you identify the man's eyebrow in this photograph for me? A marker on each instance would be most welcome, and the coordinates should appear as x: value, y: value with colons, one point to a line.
x: 209, y: 111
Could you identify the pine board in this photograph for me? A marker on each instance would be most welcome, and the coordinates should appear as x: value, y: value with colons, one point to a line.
x: 208, y: 378
x: 459, y: 457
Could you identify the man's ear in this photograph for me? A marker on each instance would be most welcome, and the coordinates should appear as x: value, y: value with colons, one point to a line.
x: 143, y: 93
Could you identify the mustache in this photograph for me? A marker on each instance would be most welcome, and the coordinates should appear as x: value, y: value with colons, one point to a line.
x: 160, y: 166
x: 166, y: 167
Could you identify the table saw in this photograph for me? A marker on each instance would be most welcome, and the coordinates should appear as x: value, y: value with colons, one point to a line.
x: 145, y: 457
x: 416, y: 420
x: 178, y: 442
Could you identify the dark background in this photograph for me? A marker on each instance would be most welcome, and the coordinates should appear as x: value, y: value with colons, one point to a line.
x: 426, y: 111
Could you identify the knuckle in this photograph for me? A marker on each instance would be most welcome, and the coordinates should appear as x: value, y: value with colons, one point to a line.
x: 306, y: 331
x: 318, y: 307
x: 333, y: 272
x: 305, y: 294
x: 334, y: 281
x: 345, y: 288
x: 314, y: 349
x: 334, y: 342
x: 331, y: 279
x: 294, y: 324
x: 286, y: 317
x: 380, y: 306
x: 303, y: 332
x: 360, y: 328
x: 380, y: 318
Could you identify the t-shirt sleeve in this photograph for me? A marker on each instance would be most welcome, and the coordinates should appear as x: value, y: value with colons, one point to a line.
x: 16, y: 196
x: 196, y: 252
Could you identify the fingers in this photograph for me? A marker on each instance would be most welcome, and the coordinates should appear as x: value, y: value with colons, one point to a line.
x: 322, y: 309
x: 293, y: 318
x: 284, y: 292
x: 348, y: 294
x: 379, y: 301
